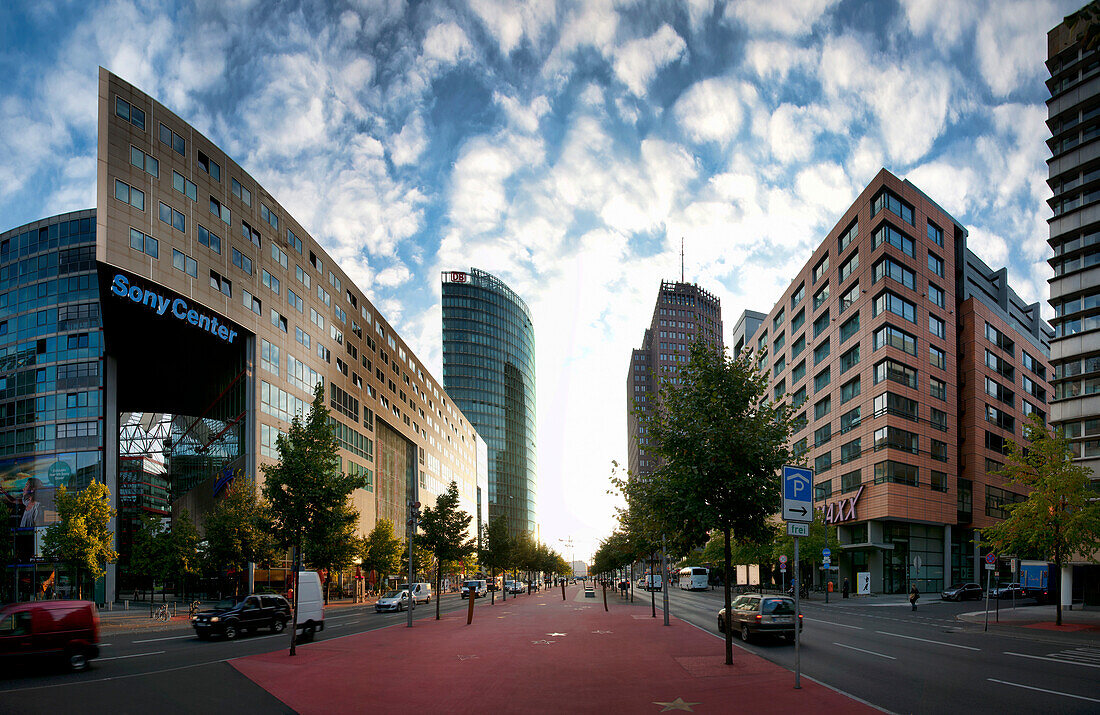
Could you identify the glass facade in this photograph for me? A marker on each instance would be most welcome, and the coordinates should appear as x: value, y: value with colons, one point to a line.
x: 489, y: 371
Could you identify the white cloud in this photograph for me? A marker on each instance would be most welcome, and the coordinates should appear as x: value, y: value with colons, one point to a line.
x: 955, y: 188
x: 784, y: 17
x: 407, y: 146
x: 775, y: 60
x: 945, y: 21
x: 511, y: 21
x: 637, y: 61
x: 446, y: 43
x: 1011, y: 43
x: 990, y: 247
x: 711, y: 110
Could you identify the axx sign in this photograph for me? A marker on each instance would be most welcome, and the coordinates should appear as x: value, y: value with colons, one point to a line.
x: 843, y: 510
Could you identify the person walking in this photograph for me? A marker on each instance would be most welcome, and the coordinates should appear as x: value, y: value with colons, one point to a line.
x: 846, y: 588
x: 914, y: 594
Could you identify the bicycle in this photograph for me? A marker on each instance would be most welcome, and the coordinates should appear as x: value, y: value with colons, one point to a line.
x: 161, y: 613
x: 195, y: 605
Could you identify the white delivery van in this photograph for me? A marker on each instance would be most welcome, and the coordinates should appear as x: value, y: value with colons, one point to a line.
x: 421, y: 592
x: 311, y: 602
x: 653, y: 582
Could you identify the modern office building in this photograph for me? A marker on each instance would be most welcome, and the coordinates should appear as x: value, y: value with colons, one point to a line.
x: 910, y: 364
x: 746, y: 327
x: 161, y: 342
x: 489, y: 370
x: 684, y: 312
x: 1073, y: 117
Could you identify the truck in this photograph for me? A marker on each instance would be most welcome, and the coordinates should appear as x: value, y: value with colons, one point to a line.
x: 1038, y: 580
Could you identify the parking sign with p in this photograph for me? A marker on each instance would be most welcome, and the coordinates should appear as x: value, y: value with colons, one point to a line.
x: 798, y: 494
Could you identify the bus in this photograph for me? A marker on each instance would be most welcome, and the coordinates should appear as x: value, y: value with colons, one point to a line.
x: 693, y: 578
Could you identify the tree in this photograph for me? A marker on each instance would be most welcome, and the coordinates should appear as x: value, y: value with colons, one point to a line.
x: 722, y: 442
x: 81, y: 537
x: 1060, y: 516
x: 333, y: 546
x: 147, y: 556
x: 446, y: 533
x: 307, y: 491
x: 496, y: 551
x: 422, y: 558
x: 184, y: 550
x: 381, y: 550
x: 822, y: 536
x: 238, y: 530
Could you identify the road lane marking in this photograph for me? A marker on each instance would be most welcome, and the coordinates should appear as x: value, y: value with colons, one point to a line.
x: 1043, y: 690
x: 168, y: 638
x: 925, y: 640
x: 834, y: 623
x: 135, y: 655
x: 1054, y: 660
x: 869, y: 652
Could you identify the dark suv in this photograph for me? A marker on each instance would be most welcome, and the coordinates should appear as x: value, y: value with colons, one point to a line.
x: 254, y: 612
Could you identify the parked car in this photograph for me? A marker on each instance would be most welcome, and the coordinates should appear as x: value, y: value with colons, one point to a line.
x: 311, y: 603
x: 963, y: 592
x: 421, y: 592
x: 513, y: 587
x: 1007, y: 591
x: 393, y: 601
x: 478, y: 587
x: 254, y: 612
x: 67, y: 630
x: 754, y: 614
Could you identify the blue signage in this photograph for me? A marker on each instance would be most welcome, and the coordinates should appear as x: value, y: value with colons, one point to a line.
x: 798, y: 494
x: 161, y: 304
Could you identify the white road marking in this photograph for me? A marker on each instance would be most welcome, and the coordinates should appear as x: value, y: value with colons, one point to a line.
x: 168, y: 638
x: 1043, y: 690
x: 834, y: 623
x: 869, y: 652
x: 1054, y: 660
x: 135, y: 655
x: 925, y: 640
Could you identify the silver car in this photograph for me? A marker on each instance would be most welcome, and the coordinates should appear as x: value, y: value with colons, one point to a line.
x: 393, y: 601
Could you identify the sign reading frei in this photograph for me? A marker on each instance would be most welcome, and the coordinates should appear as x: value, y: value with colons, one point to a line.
x: 843, y: 510
x: 798, y: 494
x: 163, y: 304
x: 797, y: 528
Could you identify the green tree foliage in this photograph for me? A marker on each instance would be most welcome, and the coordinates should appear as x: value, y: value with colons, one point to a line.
x: 722, y: 442
x: 238, y: 530
x: 1060, y: 517
x: 81, y: 537
x: 423, y: 560
x: 381, y: 551
x: 496, y: 549
x: 446, y: 534
x: 309, y: 495
x: 160, y: 552
x: 821, y: 536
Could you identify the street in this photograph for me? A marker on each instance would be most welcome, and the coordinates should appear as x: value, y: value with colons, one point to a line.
x: 882, y: 652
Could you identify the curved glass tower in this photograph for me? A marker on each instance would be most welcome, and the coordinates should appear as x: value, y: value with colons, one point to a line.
x: 489, y: 371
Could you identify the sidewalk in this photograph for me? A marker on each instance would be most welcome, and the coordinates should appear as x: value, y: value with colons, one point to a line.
x: 537, y: 653
x: 1038, y: 617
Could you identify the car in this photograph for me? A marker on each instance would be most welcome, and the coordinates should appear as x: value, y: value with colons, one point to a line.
x: 755, y: 614
x: 513, y: 587
x: 479, y: 587
x: 62, y: 630
x: 421, y: 592
x: 393, y: 601
x: 963, y: 592
x: 252, y: 613
x: 1007, y: 591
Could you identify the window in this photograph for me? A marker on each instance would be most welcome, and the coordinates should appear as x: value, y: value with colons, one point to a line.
x: 780, y: 390
x: 278, y: 255
x: 1032, y: 388
x: 129, y: 195
x: 848, y: 267
x: 316, y: 263
x: 242, y: 261
x: 185, y: 187
x: 889, y: 336
x: 173, y: 218
x: 141, y: 242
x: 302, y: 276
x: 999, y: 501
x: 889, y: 268
x: 938, y: 481
x: 798, y: 372
x: 221, y: 284
x: 889, y: 301
x: 939, y: 450
x: 798, y: 295
x: 821, y: 352
x: 208, y: 239
x: 821, y: 324
x: 251, y: 302
x: 268, y: 215
x: 798, y: 423
x: 849, y: 359
x: 821, y: 296
x: 821, y: 267
x: 896, y: 473
x: 278, y: 320
x: 935, y: 234
x: 999, y: 365
x: 938, y: 388
x: 849, y: 420
x: 847, y: 237
x: 249, y: 233
x: 849, y: 297
x: 992, y: 466
x: 185, y: 263
x: 799, y: 448
x: 798, y: 346
x: 316, y: 318
x: 888, y: 234
x: 996, y: 442
x: 889, y: 403
x: 849, y: 328
x: 242, y: 193
x: 221, y: 212
x: 269, y: 280
x: 937, y: 327
x: 144, y: 162
x: 823, y: 434
x: 935, y: 264
x: 850, y: 481
x: 780, y: 340
x: 169, y: 137
x: 823, y: 490
x: 324, y: 296
x: 324, y: 353
x: 798, y: 398
x: 937, y: 357
x: 797, y: 320
x: 1029, y: 409
x: 1034, y: 365
x: 296, y: 301
x: 823, y: 463
x: 302, y: 337
x: 890, y: 202
x: 210, y: 167
x: 849, y: 390
x: 938, y: 419
x: 1000, y: 418
x: 334, y: 281
x: 777, y: 322
x: 779, y: 365
x: 936, y: 295
x: 1000, y: 339
x: 897, y: 372
x: 294, y: 241
x: 822, y: 407
x: 269, y: 357
x: 850, y: 451
x: 130, y: 113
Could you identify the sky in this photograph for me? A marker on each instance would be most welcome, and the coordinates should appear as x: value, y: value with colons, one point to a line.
x: 567, y: 148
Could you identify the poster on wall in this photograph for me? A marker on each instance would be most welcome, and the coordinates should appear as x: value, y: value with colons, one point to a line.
x: 27, y: 485
x: 863, y: 583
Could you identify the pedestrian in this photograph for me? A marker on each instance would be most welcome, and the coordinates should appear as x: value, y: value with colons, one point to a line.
x: 846, y: 587
x: 914, y: 594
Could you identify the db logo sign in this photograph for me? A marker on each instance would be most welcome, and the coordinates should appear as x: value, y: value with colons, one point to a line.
x: 458, y: 277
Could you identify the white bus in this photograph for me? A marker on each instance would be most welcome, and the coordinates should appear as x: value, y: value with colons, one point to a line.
x: 693, y: 578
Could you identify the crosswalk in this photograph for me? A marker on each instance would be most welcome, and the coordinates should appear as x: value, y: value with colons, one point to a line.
x: 1083, y: 655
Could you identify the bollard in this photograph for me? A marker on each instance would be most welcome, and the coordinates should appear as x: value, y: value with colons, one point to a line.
x: 605, y: 596
x: 563, y: 590
x: 470, y: 612
x: 126, y: 605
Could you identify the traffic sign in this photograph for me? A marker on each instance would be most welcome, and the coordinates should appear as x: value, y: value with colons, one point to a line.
x: 782, y: 558
x: 795, y: 528
x: 782, y: 567
x: 991, y: 558
x: 827, y: 561
x: 826, y: 552
x: 798, y: 494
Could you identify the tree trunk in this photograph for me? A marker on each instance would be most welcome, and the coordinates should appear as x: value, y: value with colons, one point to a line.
x: 729, y: 604
x: 438, y: 582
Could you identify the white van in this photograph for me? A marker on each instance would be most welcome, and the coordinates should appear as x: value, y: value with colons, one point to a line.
x: 421, y: 592
x: 478, y: 587
x: 653, y: 582
x: 311, y: 602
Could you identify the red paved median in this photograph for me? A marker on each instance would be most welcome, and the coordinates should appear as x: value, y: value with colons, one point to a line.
x: 536, y: 653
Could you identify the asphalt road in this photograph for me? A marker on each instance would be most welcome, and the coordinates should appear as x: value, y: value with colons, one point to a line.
x: 172, y: 671
x: 924, y: 661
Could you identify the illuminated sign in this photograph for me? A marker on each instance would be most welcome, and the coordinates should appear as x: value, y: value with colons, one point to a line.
x: 843, y: 510
x: 454, y: 277
x: 162, y: 304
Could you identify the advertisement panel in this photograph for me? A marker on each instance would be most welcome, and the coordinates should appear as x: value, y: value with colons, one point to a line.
x: 27, y: 485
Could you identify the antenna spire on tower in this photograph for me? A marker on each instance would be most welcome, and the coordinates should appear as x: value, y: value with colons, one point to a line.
x: 681, y: 259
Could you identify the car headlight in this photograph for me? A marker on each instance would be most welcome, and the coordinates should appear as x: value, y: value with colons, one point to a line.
x: 214, y: 619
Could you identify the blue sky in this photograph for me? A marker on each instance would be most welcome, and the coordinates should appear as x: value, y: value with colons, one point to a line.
x: 565, y: 147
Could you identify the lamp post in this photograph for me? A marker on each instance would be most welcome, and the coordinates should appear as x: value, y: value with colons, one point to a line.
x: 414, y: 515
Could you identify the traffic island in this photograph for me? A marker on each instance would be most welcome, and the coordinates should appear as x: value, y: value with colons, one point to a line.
x: 531, y: 657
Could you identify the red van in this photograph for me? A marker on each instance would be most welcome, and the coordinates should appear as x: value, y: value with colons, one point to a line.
x: 65, y: 629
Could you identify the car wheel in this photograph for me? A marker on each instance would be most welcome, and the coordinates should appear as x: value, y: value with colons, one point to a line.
x: 745, y: 635
x: 230, y: 633
x: 309, y: 630
x: 277, y: 626
x: 77, y: 661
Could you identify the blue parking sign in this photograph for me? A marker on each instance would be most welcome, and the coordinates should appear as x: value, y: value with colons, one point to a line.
x: 798, y: 494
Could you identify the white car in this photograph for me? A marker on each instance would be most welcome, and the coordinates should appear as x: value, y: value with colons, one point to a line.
x: 479, y: 587
x: 393, y: 601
